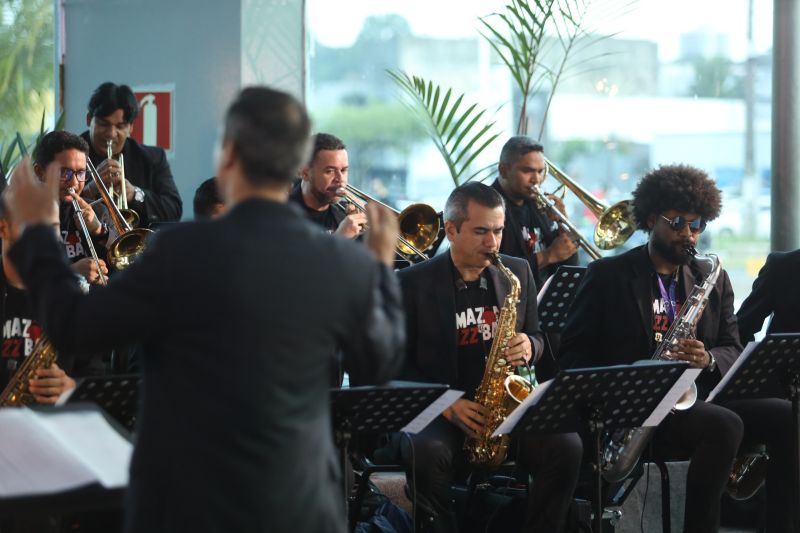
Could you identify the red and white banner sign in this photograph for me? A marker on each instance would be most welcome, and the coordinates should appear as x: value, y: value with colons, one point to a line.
x: 154, y: 125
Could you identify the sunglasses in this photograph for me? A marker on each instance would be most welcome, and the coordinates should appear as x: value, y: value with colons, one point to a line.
x: 677, y: 224
x: 67, y: 174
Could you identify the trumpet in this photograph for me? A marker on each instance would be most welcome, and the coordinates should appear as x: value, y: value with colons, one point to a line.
x: 419, y: 223
x: 122, y: 198
x: 130, y: 242
x: 615, y: 224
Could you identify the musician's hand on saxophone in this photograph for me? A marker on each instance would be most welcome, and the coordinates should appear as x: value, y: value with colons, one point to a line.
x: 518, y: 351
x: 468, y: 416
x: 692, y: 351
x: 353, y: 224
x: 49, y: 384
x: 87, y: 267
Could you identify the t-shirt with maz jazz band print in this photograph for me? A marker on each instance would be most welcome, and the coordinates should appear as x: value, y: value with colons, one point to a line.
x: 476, y: 323
x: 20, y: 331
x: 662, y: 314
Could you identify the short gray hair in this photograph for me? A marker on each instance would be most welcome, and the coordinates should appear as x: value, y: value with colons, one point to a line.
x: 455, y: 209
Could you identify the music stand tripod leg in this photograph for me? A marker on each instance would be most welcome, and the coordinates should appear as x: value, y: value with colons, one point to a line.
x: 596, y: 427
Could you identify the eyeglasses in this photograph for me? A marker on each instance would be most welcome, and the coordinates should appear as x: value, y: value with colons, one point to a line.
x: 67, y: 174
x: 697, y: 225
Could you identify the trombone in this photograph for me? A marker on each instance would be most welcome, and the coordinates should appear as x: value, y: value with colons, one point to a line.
x: 545, y: 203
x: 82, y: 221
x: 615, y: 224
x: 130, y: 242
x: 122, y: 198
x: 419, y: 223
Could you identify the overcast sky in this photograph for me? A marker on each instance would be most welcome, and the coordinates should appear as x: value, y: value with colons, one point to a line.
x: 338, y: 23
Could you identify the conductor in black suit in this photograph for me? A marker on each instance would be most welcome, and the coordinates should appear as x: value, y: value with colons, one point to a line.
x: 452, y: 305
x: 776, y: 292
x: 238, y: 318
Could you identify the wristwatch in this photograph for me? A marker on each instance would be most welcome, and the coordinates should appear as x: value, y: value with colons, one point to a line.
x: 713, y: 364
x: 138, y: 195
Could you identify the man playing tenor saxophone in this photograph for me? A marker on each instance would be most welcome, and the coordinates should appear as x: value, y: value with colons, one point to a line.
x: 626, y: 305
x: 452, y: 313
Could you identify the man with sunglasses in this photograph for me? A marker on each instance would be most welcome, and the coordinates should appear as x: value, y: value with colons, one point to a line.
x: 627, y: 303
x: 70, y: 152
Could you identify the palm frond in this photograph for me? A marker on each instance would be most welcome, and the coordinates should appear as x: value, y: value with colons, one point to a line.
x: 459, y: 132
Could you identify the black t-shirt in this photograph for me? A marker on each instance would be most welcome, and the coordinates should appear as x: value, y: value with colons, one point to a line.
x: 529, y: 226
x: 662, y: 317
x: 71, y: 236
x: 476, y: 324
x: 325, y: 218
x: 20, y: 330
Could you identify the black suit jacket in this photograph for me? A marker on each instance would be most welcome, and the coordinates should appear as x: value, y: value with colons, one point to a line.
x: 238, y: 318
x: 610, y: 321
x: 430, y: 305
x: 513, y: 244
x: 147, y: 168
x: 776, y: 291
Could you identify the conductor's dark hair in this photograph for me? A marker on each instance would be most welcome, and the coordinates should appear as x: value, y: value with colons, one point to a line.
x: 269, y: 132
x: 206, y: 197
x: 455, y: 209
x: 679, y: 187
x: 518, y: 146
x: 325, y: 141
x: 109, y: 97
x: 56, y: 142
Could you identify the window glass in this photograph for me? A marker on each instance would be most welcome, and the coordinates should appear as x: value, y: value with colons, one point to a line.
x: 659, y: 83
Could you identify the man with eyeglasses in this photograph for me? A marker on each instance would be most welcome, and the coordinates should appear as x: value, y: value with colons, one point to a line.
x: 625, y: 306
x: 69, y: 151
x: 149, y: 187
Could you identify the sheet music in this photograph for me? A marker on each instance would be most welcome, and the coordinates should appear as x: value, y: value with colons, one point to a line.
x: 47, y: 453
x: 665, y: 407
x: 432, y: 411
x: 514, y: 416
x: 543, y: 290
x: 732, y: 371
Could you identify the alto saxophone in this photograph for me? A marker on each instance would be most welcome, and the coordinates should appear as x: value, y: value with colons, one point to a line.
x: 17, y: 392
x: 623, y: 448
x: 500, y: 389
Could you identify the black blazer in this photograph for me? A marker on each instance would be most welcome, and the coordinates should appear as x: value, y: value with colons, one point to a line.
x: 430, y: 305
x: 147, y: 168
x: 238, y: 318
x: 610, y: 321
x: 776, y: 291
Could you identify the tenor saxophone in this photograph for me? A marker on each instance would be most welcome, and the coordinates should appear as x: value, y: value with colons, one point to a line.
x: 17, y: 392
x: 500, y: 389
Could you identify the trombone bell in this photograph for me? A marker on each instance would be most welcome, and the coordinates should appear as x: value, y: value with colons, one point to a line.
x: 419, y: 225
x: 614, y: 225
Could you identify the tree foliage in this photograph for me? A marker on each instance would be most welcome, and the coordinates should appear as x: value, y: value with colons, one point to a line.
x: 26, y: 68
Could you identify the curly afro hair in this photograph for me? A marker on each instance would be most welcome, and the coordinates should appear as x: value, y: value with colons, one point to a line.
x: 680, y: 187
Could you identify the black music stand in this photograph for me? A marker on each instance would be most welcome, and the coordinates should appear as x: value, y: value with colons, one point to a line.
x: 118, y: 396
x: 556, y: 296
x: 376, y: 410
x: 600, y: 399
x: 768, y: 369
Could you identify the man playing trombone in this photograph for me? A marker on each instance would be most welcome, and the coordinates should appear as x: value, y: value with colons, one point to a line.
x: 70, y: 152
x: 323, y: 184
x: 529, y: 233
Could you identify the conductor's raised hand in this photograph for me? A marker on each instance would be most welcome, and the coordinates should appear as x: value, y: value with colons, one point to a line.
x: 30, y: 201
x: 383, y: 232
